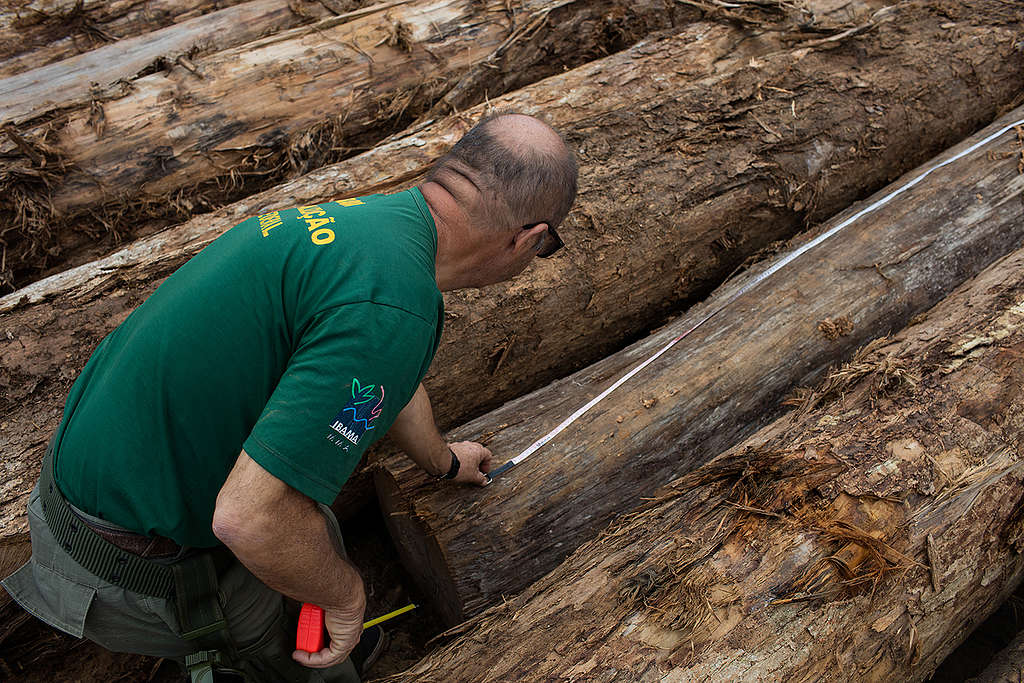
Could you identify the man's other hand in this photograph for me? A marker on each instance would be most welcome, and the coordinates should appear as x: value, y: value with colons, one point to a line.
x: 474, y: 462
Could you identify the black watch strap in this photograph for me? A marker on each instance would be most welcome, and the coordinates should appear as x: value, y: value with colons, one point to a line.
x: 453, y: 471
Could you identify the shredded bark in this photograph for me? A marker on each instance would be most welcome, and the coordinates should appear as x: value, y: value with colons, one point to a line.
x: 888, y: 373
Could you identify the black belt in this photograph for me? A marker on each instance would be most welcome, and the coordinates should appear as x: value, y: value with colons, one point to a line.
x: 95, y: 553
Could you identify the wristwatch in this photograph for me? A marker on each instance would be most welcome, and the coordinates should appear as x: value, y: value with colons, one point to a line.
x: 453, y: 471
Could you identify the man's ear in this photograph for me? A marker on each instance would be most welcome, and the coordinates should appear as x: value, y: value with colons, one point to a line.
x: 529, y: 239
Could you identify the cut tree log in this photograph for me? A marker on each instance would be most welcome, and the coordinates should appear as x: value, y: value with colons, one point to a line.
x: 469, y: 548
x: 1006, y: 667
x: 87, y: 80
x: 682, y: 223
x: 210, y: 130
x: 36, y: 33
x: 858, y: 538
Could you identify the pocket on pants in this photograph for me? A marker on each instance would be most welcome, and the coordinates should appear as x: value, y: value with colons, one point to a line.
x: 51, y: 597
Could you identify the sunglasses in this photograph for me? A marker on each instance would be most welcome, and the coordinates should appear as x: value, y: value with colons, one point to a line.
x: 550, y: 245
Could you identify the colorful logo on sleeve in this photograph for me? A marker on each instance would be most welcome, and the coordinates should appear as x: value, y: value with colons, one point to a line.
x: 357, y: 417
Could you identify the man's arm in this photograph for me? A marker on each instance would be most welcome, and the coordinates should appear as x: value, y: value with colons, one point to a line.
x: 281, y: 536
x: 415, y: 433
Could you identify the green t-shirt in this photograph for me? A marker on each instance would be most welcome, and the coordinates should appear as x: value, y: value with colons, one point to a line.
x: 297, y: 335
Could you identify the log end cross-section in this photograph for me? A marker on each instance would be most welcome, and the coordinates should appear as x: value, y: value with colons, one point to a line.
x: 417, y: 547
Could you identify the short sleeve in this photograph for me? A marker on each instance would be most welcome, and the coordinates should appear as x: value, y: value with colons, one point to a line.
x: 354, y: 369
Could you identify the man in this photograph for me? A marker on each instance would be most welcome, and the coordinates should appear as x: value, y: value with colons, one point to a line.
x: 231, y: 406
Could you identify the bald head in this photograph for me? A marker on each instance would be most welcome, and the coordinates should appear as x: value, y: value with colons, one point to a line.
x: 521, y: 168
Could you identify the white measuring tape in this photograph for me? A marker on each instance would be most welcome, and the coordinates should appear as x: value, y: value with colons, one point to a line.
x: 781, y: 263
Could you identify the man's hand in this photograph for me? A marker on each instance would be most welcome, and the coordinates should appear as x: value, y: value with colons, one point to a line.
x: 474, y: 462
x: 415, y: 433
x: 344, y: 628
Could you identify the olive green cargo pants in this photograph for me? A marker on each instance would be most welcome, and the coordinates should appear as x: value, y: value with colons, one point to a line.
x: 261, y: 622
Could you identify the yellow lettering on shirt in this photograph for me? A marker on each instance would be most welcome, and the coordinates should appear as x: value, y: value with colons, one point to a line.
x: 315, y: 223
x: 319, y: 234
x: 269, y: 221
x: 309, y: 211
x: 322, y: 236
x: 349, y: 202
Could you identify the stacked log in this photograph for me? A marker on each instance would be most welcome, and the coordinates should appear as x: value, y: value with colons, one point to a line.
x: 38, y: 33
x: 86, y: 80
x: 1006, y: 667
x: 632, y: 258
x: 471, y: 547
x: 210, y: 129
x: 859, y: 537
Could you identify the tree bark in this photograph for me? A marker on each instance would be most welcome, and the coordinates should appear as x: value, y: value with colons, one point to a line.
x: 34, y: 34
x: 692, y: 165
x: 1006, y: 667
x: 470, y: 547
x: 859, y: 537
x: 87, y: 80
x: 219, y: 127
